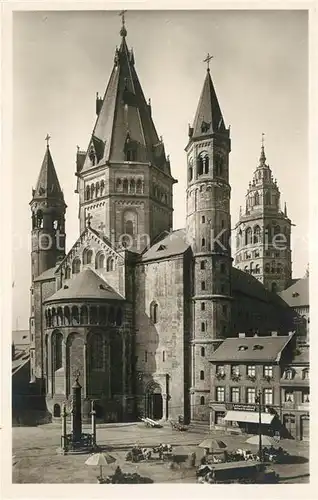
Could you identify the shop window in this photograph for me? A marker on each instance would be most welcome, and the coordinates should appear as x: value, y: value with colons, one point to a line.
x: 219, y: 418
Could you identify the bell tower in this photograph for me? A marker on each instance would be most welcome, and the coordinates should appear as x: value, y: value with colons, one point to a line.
x: 263, y: 231
x: 48, y: 218
x: 209, y: 229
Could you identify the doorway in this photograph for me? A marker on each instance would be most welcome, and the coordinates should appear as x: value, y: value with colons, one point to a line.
x: 154, y: 403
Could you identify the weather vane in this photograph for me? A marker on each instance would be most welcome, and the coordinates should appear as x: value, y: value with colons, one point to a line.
x: 48, y: 137
x: 207, y: 60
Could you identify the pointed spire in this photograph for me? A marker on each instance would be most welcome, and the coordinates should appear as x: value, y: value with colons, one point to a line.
x: 48, y: 184
x: 262, y: 158
x: 208, y: 118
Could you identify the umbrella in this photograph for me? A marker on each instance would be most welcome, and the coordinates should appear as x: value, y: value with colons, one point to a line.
x: 266, y: 440
x: 211, y: 444
x: 100, y: 459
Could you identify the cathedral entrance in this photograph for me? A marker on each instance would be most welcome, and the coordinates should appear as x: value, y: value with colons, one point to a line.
x: 153, y: 402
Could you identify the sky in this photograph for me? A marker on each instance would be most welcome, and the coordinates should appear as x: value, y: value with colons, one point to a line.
x: 259, y: 69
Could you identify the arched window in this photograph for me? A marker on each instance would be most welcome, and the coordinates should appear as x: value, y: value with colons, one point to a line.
x: 75, y: 315
x: 267, y: 198
x: 110, y: 264
x: 274, y: 287
x: 257, y: 269
x: 154, y: 312
x: 67, y: 316
x: 118, y: 185
x: 201, y: 375
x: 92, y: 190
x: 132, y: 187
x: 119, y: 317
x: 190, y: 172
x: 202, y: 326
x: 257, y: 234
x: 76, y: 265
x: 87, y: 256
x: 202, y: 264
x: 49, y: 318
x: 206, y: 164
x: 54, y: 318
x: 67, y: 273
x: 97, y: 352
x: 93, y: 317
x: 87, y: 193
x: 60, y: 317
x: 200, y: 165
x: 111, y: 315
x: 125, y: 186
x: 202, y: 352
x: 256, y: 198
x: 202, y: 401
x: 129, y: 227
x: 56, y: 410
x: 102, y: 315
x: 57, y: 341
x: 100, y: 261
x: 84, y: 315
x: 97, y: 189
x: 248, y: 236
x: 203, y: 242
x: 102, y: 187
x: 139, y: 186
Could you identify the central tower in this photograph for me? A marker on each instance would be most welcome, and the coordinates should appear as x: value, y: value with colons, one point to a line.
x: 209, y: 229
x: 124, y: 178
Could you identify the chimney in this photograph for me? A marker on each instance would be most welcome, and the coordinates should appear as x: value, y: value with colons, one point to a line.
x: 241, y: 335
x: 99, y: 102
x: 290, y: 334
x: 274, y: 334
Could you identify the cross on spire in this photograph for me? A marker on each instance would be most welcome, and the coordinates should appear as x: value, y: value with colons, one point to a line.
x: 123, y: 31
x: 88, y: 219
x: 207, y: 60
x: 263, y: 135
x: 48, y: 137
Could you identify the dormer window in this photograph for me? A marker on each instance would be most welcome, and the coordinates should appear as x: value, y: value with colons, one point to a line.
x: 205, y: 127
x: 257, y: 347
x: 161, y: 247
x: 243, y: 348
x: 295, y: 294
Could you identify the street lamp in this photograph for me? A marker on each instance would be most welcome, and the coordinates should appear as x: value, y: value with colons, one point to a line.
x: 258, y: 400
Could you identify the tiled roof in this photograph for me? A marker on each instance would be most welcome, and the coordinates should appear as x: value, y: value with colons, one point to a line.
x: 124, y: 119
x: 47, y: 275
x: 48, y: 184
x: 258, y: 349
x: 297, y: 295
x: 85, y: 285
x: 208, y: 118
x: 173, y: 243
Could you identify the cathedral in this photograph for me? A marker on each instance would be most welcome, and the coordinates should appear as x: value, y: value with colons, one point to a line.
x: 136, y: 309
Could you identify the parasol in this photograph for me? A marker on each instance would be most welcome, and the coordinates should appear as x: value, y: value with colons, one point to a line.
x: 101, y: 459
x: 266, y: 440
x: 212, y: 444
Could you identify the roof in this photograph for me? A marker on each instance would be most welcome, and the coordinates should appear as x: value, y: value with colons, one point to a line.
x: 168, y: 245
x: 269, y: 349
x: 208, y: 118
x: 21, y: 337
x: 124, y: 119
x: 297, y: 295
x: 85, y: 285
x: 47, y: 275
x: 48, y: 184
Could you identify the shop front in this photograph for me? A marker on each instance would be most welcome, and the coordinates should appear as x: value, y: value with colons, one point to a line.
x: 244, y: 419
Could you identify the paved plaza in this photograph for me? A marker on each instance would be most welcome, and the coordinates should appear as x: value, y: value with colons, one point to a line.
x: 35, y: 459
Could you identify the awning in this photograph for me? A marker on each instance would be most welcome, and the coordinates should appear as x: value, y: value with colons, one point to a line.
x: 248, y: 416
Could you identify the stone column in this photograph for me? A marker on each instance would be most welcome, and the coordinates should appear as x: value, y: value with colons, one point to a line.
x: 85, y: 368
x: 64, y: 364
x: 93, y: 422
x: 76, y: 411
x: 64, y: 432
x: 165, y: 406
x: 49, y: 365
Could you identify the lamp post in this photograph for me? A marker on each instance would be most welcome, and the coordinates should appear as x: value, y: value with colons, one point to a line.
x: 258, y: 400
